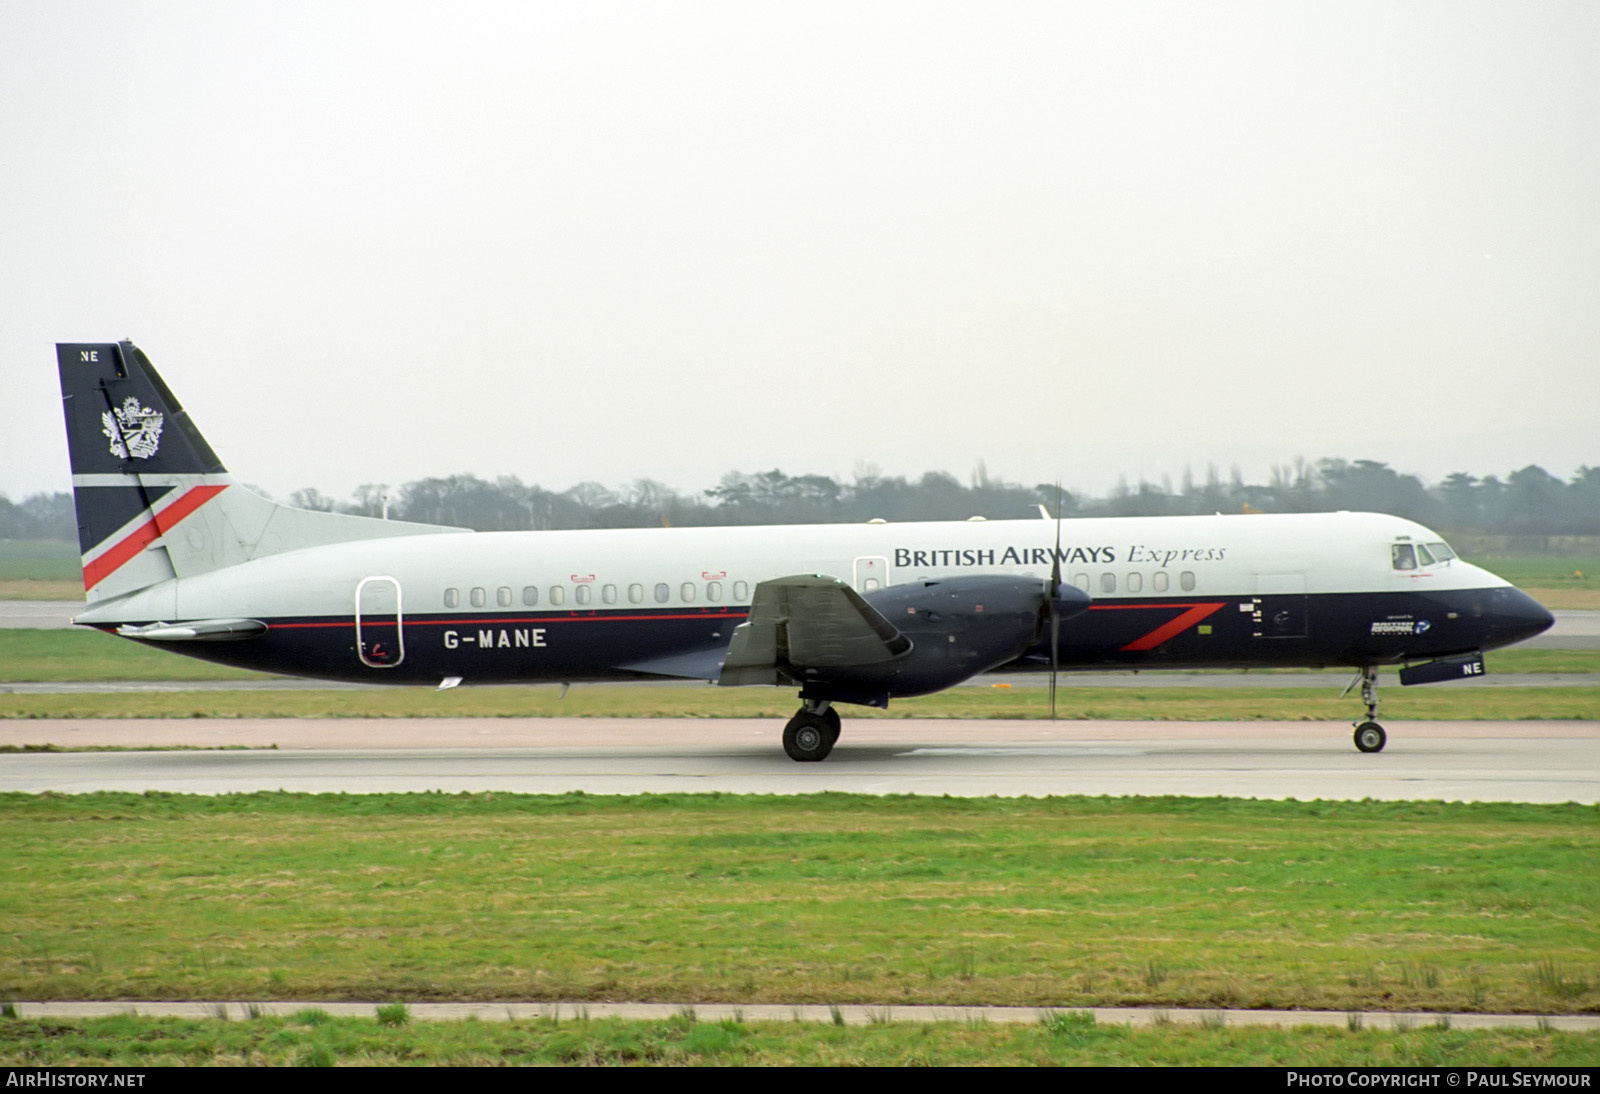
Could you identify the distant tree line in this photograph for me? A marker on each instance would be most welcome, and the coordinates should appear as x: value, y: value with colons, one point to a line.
x: 1526, y: 502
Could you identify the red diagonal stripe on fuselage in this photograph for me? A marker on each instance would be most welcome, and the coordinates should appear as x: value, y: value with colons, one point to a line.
x: 1171, y: 628
x: 147, y: 533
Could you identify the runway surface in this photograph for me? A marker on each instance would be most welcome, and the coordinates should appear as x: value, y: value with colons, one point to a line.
x: 1458, y: 761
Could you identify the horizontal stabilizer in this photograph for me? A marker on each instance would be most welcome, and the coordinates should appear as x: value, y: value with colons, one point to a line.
x: 808, y: 621
x: 199, y: 630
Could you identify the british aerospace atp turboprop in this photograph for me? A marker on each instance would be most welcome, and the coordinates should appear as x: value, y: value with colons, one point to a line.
x: 176, y: 554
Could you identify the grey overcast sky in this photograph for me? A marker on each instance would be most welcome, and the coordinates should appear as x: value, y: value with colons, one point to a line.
x: 372, y: 242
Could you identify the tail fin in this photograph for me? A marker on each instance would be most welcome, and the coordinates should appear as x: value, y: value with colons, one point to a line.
x: 153, y: 500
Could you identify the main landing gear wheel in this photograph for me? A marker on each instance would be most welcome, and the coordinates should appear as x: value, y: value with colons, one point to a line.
x: 832, y: 717
x: 1370, y: 737
x: 809, y: 737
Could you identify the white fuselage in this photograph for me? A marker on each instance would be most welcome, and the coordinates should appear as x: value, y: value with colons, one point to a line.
x: 1112, y: 558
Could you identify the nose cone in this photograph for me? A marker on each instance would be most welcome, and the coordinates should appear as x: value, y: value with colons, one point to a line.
x: 1514, y: 615
x: 1070, y: 601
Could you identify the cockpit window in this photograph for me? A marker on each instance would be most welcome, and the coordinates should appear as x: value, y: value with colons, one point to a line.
x: 1424, y: 558
x: 1441, y: 551
x: 1404, y: 557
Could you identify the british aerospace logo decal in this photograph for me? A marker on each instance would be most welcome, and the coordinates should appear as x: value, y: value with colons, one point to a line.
x: 136, y: 430
x: 1138, y: 554
x: 1401, y: 626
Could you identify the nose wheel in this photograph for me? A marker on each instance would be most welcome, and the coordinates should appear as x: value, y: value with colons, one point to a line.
x: 1370, y: 737
x: 812, y: 732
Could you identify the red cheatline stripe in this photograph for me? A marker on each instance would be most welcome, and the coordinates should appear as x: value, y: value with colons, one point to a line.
x: 507, y: 621
x: 1169, y: 629
x: 147, y: 533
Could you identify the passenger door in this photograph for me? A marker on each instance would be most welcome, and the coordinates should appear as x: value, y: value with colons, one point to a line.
x: 380, y: 623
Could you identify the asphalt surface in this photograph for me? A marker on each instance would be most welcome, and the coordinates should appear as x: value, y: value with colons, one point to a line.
x: 43, y: 615
x: 1452, y: 761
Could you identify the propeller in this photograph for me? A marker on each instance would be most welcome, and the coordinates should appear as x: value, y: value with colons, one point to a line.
x: 1055, y: 607
x: 1065, y: 601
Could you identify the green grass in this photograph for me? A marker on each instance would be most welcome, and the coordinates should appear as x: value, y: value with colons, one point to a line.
x: 1546, y: 571
x: 40, y: 570
x: 1519, y: 660
x: 1556, y: 581
x: 58, y: 656
x: 1064, y: 902
x: 138, y: 1042
x: 40, y: 560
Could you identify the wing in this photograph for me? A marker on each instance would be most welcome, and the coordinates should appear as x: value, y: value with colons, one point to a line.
x: 808, y: 621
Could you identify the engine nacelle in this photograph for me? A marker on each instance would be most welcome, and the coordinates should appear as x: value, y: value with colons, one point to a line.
x: 958, y: 627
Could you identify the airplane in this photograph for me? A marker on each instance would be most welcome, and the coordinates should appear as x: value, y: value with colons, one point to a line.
x: 177, y: 555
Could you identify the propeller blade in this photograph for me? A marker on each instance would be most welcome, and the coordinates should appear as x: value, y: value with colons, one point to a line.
x: 1055, y: 560
x: 1055, y: 609
x: 1055, y: 656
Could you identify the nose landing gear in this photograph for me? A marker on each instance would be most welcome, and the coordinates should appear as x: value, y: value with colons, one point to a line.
x: 1369, y: 735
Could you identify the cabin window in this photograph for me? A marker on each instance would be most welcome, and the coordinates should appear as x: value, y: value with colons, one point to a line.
x: 635, y: 594
x: 1108, y: 583
x: 608, y: 593
x: 1135, y: 582
x: 741, y: 591
x: 1186, y: 581
x: 530, y: 595
x: 480, y: 596
x: 1403, y: 557
x: 1081, y: 581
x: 558, y: 594
x: 502, y: 596
x: 1159, y: 581
x: 581, y: 594
x: 452, y: 598
x: 663, y: 594
x: 713, y: 591
x: 688, y: 592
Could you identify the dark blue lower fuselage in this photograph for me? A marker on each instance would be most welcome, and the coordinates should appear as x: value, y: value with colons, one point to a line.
x: 488, y: 647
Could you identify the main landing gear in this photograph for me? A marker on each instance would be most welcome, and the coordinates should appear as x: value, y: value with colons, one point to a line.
x: 1370, y: 736
x: 812, y: 732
